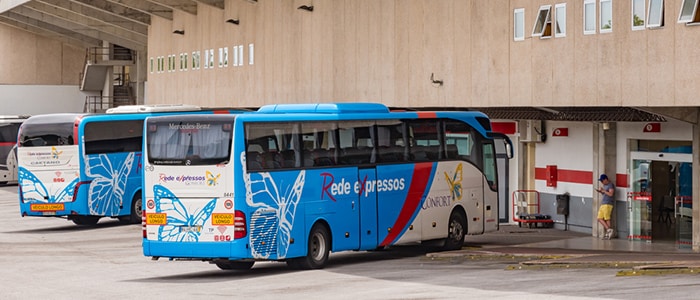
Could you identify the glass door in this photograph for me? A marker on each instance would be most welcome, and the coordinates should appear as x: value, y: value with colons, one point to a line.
x: 639, y: 201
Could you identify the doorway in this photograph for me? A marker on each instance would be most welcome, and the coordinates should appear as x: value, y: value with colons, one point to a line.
x: 659, y: 200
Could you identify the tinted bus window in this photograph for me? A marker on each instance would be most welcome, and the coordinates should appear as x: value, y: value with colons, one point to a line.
x: 184, y: 143
x: 37, y: 135
x: 272, y: 146
x: 425, y: 140
x: 113, y: 136
x: 319, y: 143
x: 356, y: 142
x: 390, y: 141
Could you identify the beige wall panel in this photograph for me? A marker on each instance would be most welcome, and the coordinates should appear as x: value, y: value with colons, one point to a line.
x: 402, y: 56
x: 499, y: 64
x: 481, y: 23
x: 23, y: 64
x: 687, y: 62
x: 438, y: 55
x: 461, y: 70
x: 387, y: 48
x: 608, y: 75
x: 72, y: 64
x: 49, y: 58
x: 633, y: 67
x: 563, y: 62
x: 520, y: 56
x: 585, y: 61
x: 320, y: 54
x: 660, y: 82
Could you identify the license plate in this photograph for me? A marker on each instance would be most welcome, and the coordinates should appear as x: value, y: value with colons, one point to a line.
x: 190, y: 228
x: 222, y: 219
x: 47, y: 207
x: 48, y: 213
x: 156, y: 219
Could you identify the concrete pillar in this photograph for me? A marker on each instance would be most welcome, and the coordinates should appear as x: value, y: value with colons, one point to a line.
x: 140, y: 76
x: 696, y: 187
x: 605, y: 161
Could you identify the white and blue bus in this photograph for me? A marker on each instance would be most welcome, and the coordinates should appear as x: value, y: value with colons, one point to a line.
x: 294, y: 182
x: 86, y: 166
x: 9, y: 126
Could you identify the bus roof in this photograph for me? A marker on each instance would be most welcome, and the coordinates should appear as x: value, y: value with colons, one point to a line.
x: 125, y: 109
x: 327, y: 108
x: 54, y: 118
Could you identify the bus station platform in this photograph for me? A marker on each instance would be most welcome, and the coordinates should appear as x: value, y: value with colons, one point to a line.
x: 543, y: 248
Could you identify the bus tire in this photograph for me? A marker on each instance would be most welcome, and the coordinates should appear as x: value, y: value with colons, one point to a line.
x: 234, y: 265
x: 319, y: 246
x: 456, y: 231
x: 136, y: 209
x: 85, y: 220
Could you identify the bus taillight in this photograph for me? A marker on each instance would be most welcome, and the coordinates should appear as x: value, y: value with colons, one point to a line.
x: 77, y: 188
x: 143, y: 223
x: 239, y: 225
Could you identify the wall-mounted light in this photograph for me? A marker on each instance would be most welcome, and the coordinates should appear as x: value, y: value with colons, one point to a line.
x: 306, y: 7
x: 435, y: 81
x: 179, y: 31
x: 253, y: 1
x: 233, y: 21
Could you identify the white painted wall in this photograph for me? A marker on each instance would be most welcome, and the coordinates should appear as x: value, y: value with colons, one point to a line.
x: 574, y: 152
x: 41, y: 99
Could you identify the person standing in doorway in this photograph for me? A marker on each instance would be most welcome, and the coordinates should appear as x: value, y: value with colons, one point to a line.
x: 606, y: 205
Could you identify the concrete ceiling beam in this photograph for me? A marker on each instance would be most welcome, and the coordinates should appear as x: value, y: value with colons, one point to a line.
x: 48, y: 30
x: 214, y: 3
x: 118, y: 10
x: 188, y: 6
x: 144, y: 7
x: 80, y: 9
x: 130, y: 41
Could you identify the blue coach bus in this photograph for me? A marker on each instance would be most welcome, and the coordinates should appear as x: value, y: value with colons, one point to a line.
x: 294, y: 182
x: 86, y: 166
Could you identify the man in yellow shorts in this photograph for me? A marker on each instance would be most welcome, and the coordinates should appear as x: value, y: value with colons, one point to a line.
x: 606, y: 205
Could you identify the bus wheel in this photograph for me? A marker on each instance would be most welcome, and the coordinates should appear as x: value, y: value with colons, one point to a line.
x: 136, y: 211
x: 456, y: 231
x: 85, y: 220
x: 234, y: 265
x: 319, y: 246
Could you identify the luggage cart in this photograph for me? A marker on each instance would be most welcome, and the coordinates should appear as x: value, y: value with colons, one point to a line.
x: 526, y: 210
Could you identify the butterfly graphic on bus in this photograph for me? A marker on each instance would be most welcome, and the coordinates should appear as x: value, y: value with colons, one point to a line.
x: 106, y: 192
x: 211, y: 179
x: 55, y: 153
x: 34, y: 191
x: 182, y: 225
x: 455, y: 183
x: 273, y: 220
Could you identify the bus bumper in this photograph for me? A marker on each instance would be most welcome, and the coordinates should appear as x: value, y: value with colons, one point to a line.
x: 196, y: 250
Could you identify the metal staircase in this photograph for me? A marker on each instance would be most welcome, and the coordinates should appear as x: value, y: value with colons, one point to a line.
x: 99, y: 62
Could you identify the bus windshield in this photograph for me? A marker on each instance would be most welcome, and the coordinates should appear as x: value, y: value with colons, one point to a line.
x: 201, y: 142
x: 38, y: 135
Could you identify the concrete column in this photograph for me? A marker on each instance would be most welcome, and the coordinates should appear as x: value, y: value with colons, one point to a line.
x: 140, y: 76
x: 696, y: 187
x: 605, y: 161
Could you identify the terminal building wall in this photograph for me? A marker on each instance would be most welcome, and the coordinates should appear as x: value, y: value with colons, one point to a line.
x: 387, y: 51
x: 39, y: 75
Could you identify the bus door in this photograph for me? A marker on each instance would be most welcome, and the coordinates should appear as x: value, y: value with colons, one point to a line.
x: 368, y: 208
x: 504, y: 152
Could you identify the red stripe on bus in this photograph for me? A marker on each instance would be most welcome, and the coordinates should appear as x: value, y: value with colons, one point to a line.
x: 427, y: 115
x: 221, y: 112
x: 416, y: 190
x: 576, y: 176
x: 7, y: 143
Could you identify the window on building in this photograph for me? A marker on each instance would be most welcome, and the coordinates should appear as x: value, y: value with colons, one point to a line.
x: 152, y: 64
x: 638, y: 12
x: 543, y: 24
x: 560, y: 20
x: 689, y: 10
x: 655, y: 18
x: 519, y: 24
x: 606, y: 24
x: 589, y: 18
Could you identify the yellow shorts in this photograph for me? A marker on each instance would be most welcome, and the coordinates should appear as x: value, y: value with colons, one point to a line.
x: 605, y: 212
